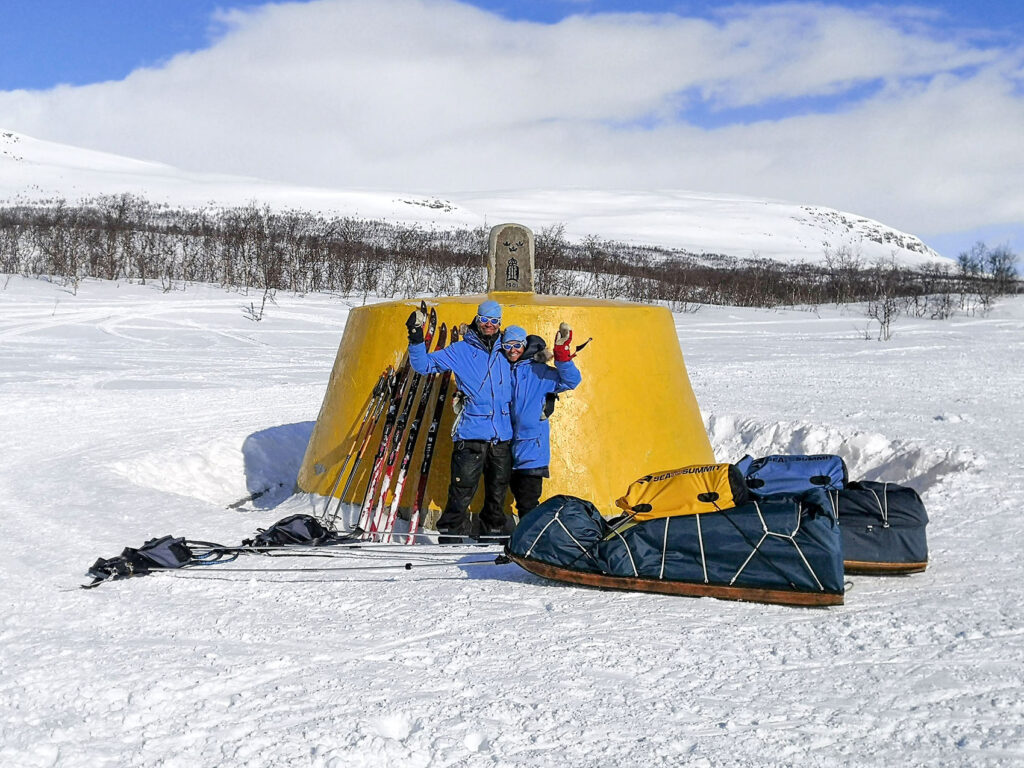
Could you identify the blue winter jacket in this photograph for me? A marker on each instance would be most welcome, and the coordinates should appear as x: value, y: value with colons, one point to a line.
x: 531, y: 382
x: 484, y: 378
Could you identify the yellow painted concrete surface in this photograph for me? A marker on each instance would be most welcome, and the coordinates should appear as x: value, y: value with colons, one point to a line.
x: 634, y: 413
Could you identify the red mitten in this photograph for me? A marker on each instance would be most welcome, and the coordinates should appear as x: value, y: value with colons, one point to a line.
x: 562, y: 341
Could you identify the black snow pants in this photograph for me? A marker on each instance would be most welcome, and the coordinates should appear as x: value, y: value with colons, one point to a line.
x: 470, y: 459
x: 526, y: 488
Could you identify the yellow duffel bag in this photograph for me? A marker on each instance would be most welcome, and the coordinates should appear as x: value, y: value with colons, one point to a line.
x: 685, y: 491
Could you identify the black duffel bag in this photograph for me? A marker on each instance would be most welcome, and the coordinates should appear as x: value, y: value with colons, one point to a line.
x: 883, y: 527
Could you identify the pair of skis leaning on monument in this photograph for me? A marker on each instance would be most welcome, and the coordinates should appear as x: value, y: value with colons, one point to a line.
x: 501, y: 431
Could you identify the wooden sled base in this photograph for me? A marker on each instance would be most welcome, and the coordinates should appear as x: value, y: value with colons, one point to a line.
x: 866, y: 568
x: 681, y: 588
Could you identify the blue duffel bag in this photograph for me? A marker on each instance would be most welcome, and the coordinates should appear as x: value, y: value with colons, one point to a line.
x: 770, y: 475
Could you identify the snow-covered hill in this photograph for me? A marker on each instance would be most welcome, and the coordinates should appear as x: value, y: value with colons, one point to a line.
x: 129, y: 413
x: 731, y: 225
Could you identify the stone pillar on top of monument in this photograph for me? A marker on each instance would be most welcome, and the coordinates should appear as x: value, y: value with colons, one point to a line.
x: 510, y: 261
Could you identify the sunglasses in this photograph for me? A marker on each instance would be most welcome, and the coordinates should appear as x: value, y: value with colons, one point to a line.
x: 485, y: 319
x: 512, y: 345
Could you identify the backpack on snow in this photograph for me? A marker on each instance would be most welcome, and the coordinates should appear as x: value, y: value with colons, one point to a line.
x: 296, y: 529
x: 164, y: 553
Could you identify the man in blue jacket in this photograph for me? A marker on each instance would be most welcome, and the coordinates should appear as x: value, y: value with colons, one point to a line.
x: 534, y: 387
x: 483, y: 428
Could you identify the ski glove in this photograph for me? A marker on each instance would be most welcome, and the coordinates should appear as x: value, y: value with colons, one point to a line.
x: 562, y: 340
x: 415, y: 326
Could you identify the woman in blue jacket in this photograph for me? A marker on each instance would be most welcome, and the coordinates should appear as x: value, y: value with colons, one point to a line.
x: 483, y: 428
x: 534, y: 385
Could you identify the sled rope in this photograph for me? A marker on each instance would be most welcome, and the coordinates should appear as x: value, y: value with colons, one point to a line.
x: 575, y: 541
x: 529, y: 551
x: 664, y: 549
x: 629, y: 552
x: 556, y: 518
x: 883, y: 504
x: 789, y: 537
x: 703, y: 557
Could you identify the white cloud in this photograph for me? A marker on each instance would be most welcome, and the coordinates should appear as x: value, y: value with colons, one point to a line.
x: 436, y: 96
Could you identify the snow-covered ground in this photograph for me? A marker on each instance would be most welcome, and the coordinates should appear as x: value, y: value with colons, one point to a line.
x: 731, y: 225
x: 130, y: 413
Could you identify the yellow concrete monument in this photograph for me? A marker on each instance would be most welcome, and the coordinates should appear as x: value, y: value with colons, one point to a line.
x: 633, y: 414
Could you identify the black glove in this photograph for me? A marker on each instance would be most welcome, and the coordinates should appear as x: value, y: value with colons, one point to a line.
x: 549, y: 405
x: 415, y: 326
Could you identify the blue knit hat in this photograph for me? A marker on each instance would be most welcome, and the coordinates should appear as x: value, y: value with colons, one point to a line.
x: 514, y: 333
x: 489, y: 308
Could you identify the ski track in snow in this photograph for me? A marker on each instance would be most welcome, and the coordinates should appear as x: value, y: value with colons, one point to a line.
x: 131, y: 413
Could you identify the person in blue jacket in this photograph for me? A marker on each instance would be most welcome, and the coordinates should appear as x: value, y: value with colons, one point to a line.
x: 482, y: 432
x: 534, y: 387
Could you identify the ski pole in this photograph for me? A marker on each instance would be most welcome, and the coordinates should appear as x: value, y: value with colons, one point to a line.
x: 366, y: 514
x: 428, y: 450
x: 410, y: 443
x: 371, y: 406
x: 402, y: 566
x: 378, y: 517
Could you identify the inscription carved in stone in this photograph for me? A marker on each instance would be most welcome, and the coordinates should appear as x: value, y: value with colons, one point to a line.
x: 510, y: 261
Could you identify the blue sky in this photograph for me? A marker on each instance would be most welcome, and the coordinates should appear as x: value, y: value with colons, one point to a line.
x: 44, y: 43
x: 910, y: 114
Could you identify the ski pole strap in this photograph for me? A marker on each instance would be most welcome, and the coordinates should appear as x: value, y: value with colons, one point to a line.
x: 580, y: 347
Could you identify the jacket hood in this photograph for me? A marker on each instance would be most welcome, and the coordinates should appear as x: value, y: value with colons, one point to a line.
x: 535, y: 350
